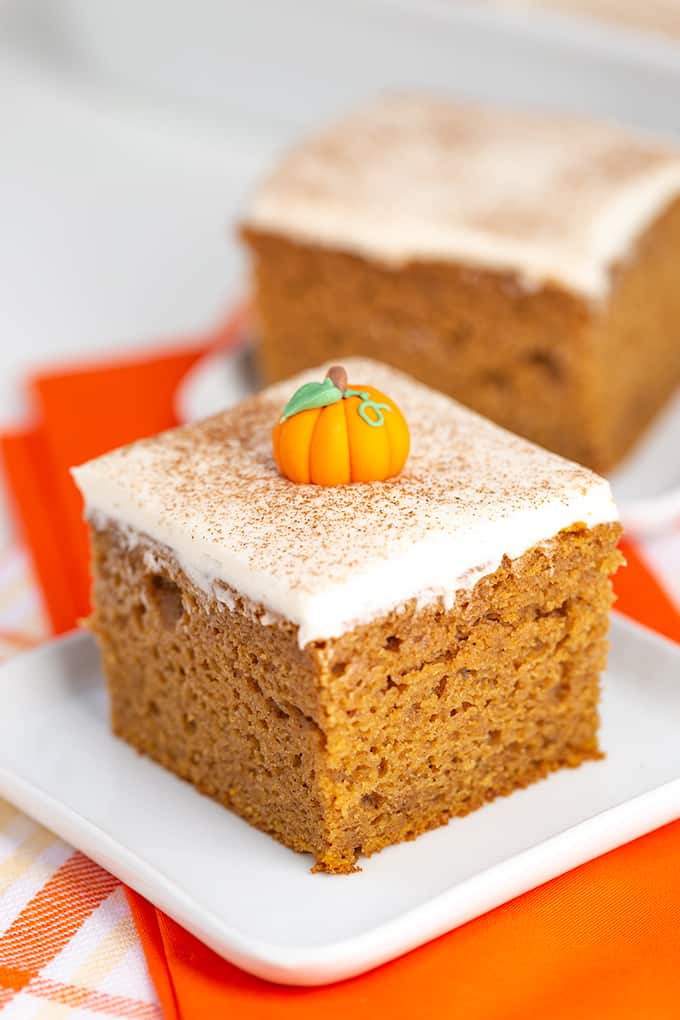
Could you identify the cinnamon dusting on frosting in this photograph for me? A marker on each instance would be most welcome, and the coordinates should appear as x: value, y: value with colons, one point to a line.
x: 470, y: 494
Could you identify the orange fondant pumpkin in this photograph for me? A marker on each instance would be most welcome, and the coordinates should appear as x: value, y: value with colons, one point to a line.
x: 358, y: 434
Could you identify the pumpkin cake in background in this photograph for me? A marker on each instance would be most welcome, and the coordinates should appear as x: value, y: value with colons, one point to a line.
x: 525, y: 264
x: 348, y: 663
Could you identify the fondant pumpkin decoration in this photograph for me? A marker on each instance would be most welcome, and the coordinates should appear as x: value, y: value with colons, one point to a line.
x: 333, y: 434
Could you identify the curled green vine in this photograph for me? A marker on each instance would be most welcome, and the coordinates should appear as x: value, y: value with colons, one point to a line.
x: 368, y: 404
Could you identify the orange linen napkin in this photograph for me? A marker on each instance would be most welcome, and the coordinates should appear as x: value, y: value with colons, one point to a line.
x: 602, y: 941
x: 81, y: 413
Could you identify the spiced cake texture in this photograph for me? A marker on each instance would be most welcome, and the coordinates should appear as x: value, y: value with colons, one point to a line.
x: 348, y: 667
x: 524, y: 264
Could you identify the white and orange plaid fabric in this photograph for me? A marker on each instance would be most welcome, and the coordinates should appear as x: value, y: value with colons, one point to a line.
x: 68, y: 945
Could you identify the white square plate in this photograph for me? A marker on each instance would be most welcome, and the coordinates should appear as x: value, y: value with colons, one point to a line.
x: 255, y: 902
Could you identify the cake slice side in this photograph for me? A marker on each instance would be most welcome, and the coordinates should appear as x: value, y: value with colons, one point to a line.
x: 583, y: 379
x: 522, y: 358
x: 349, y: 745
x: 433, y: 712
x: 207, y: 689
x: 635, y: 340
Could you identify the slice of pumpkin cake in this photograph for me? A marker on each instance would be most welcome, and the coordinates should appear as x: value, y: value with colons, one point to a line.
x: 350, y: 609
x: 524, y: 263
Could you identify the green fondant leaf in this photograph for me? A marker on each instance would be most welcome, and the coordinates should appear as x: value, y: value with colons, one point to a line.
x: 310, y: 395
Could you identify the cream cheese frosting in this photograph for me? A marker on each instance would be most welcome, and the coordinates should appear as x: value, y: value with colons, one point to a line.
x: 550, y: 198
x: 328, y: 559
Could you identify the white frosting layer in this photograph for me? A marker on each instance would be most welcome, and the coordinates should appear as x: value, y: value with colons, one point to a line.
x: 549, y: 198
x: 328, y: 559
